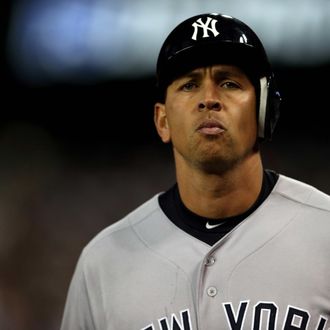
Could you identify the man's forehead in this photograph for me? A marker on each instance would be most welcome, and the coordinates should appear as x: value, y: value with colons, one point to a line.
x: 216, y: 69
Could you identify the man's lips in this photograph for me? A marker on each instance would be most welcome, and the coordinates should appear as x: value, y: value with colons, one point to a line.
x: 211, y: 127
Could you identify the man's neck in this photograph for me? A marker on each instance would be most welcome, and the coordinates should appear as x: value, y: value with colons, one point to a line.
x: 220, y: 195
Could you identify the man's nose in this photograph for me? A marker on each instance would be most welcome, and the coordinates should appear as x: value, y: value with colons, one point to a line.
x: 209, y: 104
x: 210, y: 98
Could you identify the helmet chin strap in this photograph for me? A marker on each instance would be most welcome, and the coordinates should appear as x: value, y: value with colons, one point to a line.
x: 262, y: 107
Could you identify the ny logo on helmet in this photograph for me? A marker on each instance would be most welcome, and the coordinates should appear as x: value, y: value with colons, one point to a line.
x: 206, y: 27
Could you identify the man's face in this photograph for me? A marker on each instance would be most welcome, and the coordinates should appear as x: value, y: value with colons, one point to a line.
x: 209, y: 116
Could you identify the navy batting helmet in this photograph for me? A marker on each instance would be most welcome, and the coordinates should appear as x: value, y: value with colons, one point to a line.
x: 214, y: 38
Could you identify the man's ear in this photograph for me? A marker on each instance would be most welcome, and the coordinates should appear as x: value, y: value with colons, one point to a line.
x: 161, y: 122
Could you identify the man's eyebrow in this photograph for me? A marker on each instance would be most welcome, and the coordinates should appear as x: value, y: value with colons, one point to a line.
x: 218, y: 74
x: 226, y: 74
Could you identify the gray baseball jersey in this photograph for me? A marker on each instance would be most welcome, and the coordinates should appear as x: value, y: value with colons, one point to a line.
x: 272, y: 271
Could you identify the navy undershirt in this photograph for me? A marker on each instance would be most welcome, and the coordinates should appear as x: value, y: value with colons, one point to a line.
x: 195, y: 225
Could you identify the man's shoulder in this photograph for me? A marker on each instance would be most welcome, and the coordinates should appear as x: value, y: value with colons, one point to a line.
x: 303, y: 193
x: 123, y: 229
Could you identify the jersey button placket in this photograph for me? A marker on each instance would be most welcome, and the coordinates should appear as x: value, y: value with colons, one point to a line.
x: 211, y: 291
x: 210, y: 295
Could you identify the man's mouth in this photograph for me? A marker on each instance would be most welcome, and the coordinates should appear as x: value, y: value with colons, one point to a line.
x: 211, y: 127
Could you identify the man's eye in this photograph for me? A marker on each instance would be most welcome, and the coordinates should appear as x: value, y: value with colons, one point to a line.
x: 230, y: 85
x: 189, y: 86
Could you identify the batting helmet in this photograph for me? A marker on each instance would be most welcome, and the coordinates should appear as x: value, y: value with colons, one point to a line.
x: 214, y: 38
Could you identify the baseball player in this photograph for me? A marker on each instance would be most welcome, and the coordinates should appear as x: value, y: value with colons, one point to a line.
x: 230, y: 245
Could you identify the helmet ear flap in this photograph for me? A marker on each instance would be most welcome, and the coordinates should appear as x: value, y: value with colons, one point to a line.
x: 269, y: 107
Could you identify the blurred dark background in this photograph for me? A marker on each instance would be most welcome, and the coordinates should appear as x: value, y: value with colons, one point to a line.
x: 78, y: 149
